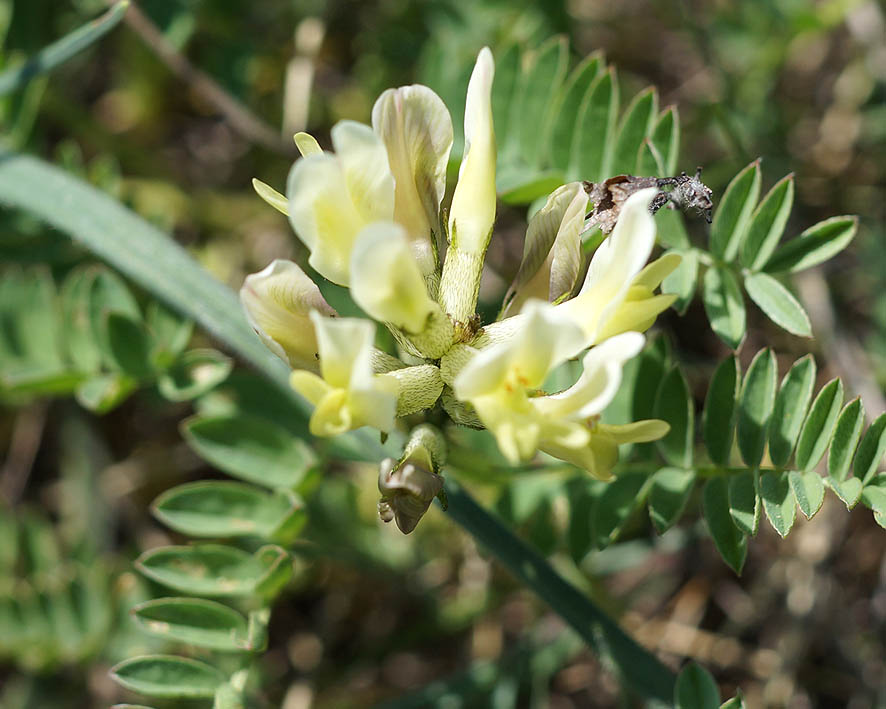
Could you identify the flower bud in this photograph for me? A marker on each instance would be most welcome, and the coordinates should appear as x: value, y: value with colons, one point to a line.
x: 407, y: 492
x: 278, y: 301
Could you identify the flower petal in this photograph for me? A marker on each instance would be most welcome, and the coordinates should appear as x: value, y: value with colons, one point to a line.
x: 614, y: 266
x: 277, y: 301
x: 306, y: 144
x: 599, y: 381
x: 546, y: 338
x: 332, y: 197
x: 552, y: 250
x: 368, y: 177
x: 385, y: 278
x: 473, y: 202
x: 415, y: 126
x: 345, y: 346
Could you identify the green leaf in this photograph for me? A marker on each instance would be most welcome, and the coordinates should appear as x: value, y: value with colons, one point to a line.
x: 848, y: 490
x: 874, y: 498
x: 815, y: 435
x: 670, y: 491
x: 666, y: 137
x: 81, y: 346
x: 250, y: 448
x: 130, y: 706
x: 733, y: 215
x: 216, y: 570
x: 228, y: 509
x: 671, y: 230
x: 649, y: 160
x: 193, y: 374
x: 724, y: 305
x: 847, y: 431
x: 736, y: 702
x: 194, y: 621
x: 615, y: 506
x: 778, y: 501
x: 594, y: 130
x: 539, y: 87
x: 791, y: 406
x: 563, y: 132
x: 871, y: 450
x: 778, y: 303
x: 818, y: 243
x: 61, y: 50
x: 683, y: 280
x: 744, y: 502
x: 696, y: 689
x: 521, y: 186
x: 636, y: 124
x: 171, y: 333
x: 808, y: 490
x: 505, y: 94
x: 145, y: 254
x: 718, y: 418
x: 768, y: 223
x: 674, y: 404
x: 129, y: 346
x: 730, y: 542
x: 168, y: 676
x: 755, y: 406
x: 104, y: 392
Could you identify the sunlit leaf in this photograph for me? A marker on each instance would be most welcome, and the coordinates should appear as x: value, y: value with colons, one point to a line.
x: 871, y: 450
x: 228, y: 509
x: 808, y: 490
x: 250, y: 448
x: 194, y: 621
x: 818, y: 243
x: 791, y: 406
x: 216, y: 570
x: 733, y: 215
x: 767, y: 224
x: 168, y: 676
x: 778, y: 501
x: 847, y: 431
x: 815, y: 436
x: 778, y: 303
x: 744, y: 501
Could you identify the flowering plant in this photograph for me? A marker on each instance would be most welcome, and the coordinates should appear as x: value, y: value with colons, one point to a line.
x: 371, y: 213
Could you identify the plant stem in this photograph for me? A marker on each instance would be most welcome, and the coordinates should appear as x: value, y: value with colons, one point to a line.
x: 633, y: 664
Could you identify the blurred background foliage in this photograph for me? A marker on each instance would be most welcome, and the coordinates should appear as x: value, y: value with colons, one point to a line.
x: 372, y: 616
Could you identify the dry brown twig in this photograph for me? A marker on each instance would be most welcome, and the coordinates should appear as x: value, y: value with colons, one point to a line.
x: 240, y: 118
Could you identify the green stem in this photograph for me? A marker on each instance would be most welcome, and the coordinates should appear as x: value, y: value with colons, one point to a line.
x: 635, y: 665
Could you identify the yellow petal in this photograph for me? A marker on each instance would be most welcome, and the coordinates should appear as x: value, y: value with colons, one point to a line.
x: 277, y: 301
x: 386, y: 280
x: 614, y: 266
x: 473, y: 202
x: 306, y: 144
x: 415, y: 126
x: 271, y: 196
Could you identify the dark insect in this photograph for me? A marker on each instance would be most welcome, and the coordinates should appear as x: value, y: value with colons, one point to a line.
x: 687, y: 192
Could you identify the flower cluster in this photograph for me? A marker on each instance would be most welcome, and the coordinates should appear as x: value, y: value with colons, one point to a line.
x: 370, y: 212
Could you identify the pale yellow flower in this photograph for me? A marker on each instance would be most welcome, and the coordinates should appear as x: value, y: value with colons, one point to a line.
x: 278, y: 302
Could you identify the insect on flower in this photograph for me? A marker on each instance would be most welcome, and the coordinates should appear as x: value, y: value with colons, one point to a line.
x: 688, y: 192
